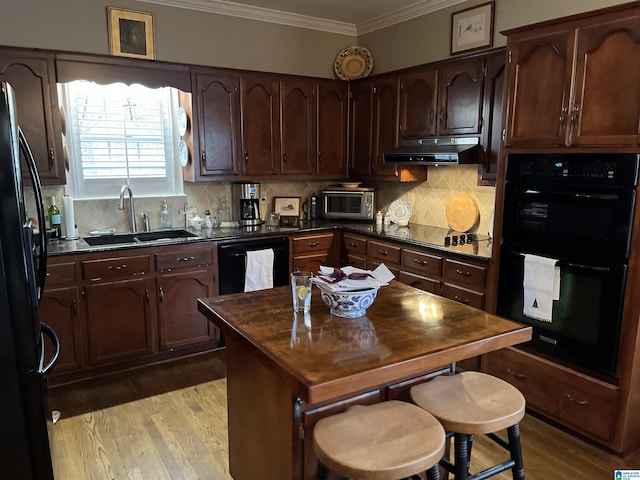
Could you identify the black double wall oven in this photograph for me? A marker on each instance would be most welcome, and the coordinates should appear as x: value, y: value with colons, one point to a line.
x: 577, y: 209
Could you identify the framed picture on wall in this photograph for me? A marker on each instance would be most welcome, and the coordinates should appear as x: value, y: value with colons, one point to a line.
x: 131, y: 33
x: 289, y: 210
x: 472, y: 28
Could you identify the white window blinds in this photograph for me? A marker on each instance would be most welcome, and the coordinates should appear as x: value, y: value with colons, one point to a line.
x: 121, y: 134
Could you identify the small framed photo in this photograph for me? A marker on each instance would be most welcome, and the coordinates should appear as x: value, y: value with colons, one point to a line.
x: 131, y: 33
x: 289, y: 210
x: 472, y: 28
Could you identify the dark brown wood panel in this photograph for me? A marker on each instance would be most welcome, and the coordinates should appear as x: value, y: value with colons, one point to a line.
x: 360, y: 127
x: 418, y: 107
x: 332, y: 128
x: 461, y: 87
x: 539, y: 72
x: 218, y: 109
x: 298, y: 126
x: 260, y: 124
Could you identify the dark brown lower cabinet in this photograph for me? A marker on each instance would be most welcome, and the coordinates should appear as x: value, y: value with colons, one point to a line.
x: 60, y: 309
x: 120, y: 319
x: 179, y: 320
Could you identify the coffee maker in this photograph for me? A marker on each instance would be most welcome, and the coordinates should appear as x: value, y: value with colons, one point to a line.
x: 246, y: 203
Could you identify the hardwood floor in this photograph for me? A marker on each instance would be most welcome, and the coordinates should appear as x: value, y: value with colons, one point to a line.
x: 169, y: 422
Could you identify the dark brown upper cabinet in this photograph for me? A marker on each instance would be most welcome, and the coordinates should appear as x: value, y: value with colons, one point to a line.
x: 492, y: 119
x: 460, y: 96
x: 32, y: 77
x: 332, y: 127
x: 217, y: 103
x: 360, y: 127
x: 575, y: 83
x: 298, y: 126
x: 260, y: 124
x: 418, y: 103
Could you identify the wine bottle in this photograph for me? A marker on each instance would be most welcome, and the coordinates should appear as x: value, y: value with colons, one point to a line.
x: 55, y: 219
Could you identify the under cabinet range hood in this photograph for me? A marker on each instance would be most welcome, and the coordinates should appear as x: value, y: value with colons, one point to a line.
x: 436, y: 151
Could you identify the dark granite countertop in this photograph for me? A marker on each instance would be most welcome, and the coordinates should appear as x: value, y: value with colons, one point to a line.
x: 414, y: 234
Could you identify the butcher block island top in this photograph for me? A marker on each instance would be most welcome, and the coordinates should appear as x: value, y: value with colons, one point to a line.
x: 285, y: 368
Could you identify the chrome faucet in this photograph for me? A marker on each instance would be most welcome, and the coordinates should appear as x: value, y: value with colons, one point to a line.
x: 132, y: 211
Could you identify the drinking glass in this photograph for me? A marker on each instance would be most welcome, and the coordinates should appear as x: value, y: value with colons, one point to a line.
x: 301, y: 291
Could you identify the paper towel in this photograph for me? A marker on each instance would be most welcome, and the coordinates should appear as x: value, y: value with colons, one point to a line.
x: 68, y: 217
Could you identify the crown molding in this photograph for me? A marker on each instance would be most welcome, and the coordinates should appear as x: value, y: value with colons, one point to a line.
x: 261, y: 14
x: 402, y: 15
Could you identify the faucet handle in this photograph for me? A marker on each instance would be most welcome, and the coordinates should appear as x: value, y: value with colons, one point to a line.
x: 145, y: 220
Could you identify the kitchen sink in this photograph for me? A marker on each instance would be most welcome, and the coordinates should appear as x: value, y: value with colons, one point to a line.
x: 138, y: 237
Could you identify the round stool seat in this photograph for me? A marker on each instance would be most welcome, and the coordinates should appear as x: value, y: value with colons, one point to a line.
x: 471, y: 402
x: 384, y: 441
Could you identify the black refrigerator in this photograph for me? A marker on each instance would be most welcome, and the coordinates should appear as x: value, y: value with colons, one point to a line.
x: 24, y: 363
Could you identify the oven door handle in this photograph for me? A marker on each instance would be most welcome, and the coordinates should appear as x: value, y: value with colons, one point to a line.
x: 582, y: 195
x: 562, y: 263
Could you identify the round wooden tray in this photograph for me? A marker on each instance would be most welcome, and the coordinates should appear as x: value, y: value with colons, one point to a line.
x: 461, y: 211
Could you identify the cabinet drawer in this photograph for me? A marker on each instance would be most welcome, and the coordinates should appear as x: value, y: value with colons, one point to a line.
x: 463, y: 295
x: 312, y: 243
x: 465, y: 273
x: 61, y: 274
x: 431, y: 285
x: 422, y: 262
x: 116, y: 268
x: 386, y: 252
x: 355, y: 244
x: 356, y: 261
x: 167, y: 261
x: 581, y: 402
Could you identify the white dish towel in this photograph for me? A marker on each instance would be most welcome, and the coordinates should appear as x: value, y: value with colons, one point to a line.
x: 541, y: 284
x: 259, y: 271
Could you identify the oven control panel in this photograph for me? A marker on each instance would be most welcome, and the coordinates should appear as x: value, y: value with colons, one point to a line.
x: 615, y: 169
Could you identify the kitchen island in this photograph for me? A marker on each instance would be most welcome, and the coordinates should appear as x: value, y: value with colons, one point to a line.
x: 285, y: 371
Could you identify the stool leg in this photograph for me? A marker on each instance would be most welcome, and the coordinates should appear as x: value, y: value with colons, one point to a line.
x: 516, y: 451
x: 469, y: 447
x: 433, y: 473
x: 461, y: 455
x: 322, y: 472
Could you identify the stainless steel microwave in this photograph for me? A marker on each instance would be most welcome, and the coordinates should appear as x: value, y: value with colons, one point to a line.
x: 348, y: 203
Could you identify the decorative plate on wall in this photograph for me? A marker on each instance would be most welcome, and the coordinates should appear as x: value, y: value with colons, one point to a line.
x: 183, y: 153
x: 353, y: 62
x: 182, y: 121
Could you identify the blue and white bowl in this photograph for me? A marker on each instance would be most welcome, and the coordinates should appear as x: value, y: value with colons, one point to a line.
x: 348, y: 304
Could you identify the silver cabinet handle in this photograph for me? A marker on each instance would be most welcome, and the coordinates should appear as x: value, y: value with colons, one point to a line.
x: 161, y: 295
x: 420, y: 262
x: 185, y: 259
x: 464, y: 274
x: 384, y: 253
x: 575, y: 400
x: 118, y: 267
x: 517, y: 375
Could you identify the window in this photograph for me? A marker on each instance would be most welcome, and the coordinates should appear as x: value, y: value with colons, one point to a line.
x: 119, y: 134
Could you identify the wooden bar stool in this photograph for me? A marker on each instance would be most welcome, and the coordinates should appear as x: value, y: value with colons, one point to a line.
x: 385, y: 441
x: 472, y: 403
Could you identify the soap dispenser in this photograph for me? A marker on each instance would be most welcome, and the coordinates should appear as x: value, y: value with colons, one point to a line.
x: 165, y: 216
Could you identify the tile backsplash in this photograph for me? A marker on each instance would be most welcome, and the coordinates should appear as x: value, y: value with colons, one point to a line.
x: 427, y: 198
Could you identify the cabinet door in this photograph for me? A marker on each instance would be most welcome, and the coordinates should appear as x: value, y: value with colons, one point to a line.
x: 539, y: 73
x: 418, y: 97
x: 492, y: 119
x: 260, y: 125
x: 361, y: 116
x: 311, y: 262
x: 298, y: 126
x: 60, y: 309
x: 217, y: 100
x: 120, y: 320
x: 332, y: 129
x: 461, y: 86
x: 385, y: 121
x: 180, y: 322
x: 606, y: 108
x: 31, y: 77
